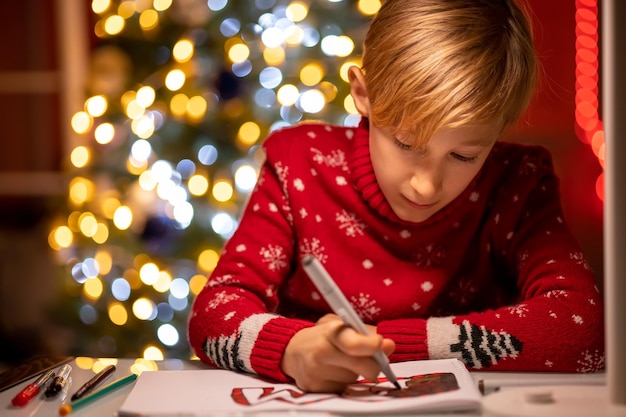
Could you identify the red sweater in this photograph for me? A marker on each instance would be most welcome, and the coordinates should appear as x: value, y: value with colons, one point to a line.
x: 494, y: 279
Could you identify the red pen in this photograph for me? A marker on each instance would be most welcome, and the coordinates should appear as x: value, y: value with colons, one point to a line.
x: 28, y: 393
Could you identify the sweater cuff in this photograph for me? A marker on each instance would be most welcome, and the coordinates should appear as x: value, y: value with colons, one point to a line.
x: 410, y: 338
x: 271, y: 343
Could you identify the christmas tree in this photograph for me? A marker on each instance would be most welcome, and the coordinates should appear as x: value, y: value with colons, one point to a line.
x: 181, y: 94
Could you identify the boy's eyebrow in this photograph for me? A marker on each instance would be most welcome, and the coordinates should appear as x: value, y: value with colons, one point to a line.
x: 478, y: 142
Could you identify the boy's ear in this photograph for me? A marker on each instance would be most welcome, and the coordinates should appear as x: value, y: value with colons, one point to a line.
x: 358, y: 90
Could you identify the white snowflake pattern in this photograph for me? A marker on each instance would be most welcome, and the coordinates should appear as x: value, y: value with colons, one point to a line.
x: 298, y: 184
x: 556, y: 294
x: 303, y: 213
x: 405, y: 234
x: 416, y: 306
x: 520, y: 310
x: 365, y: 308
x: 350, y: 224
x: 256, y: 207
x: 579, y: 258
x: 336, y: 159
x: 282, y: 172
x: 315, y: 296
x: 430, y: 256
x: 221, y: 298
x: 553, y: 314
x: 218, y: 281
x: 311, y: 134
x: 591, y: 362
x: 274, y: 257
x: 509, y: 236
x: 549, y: 363
x: 318, y: 218
x: 496, y: 218
x: 427, y: 286
x: 367, y: 264
x: 229, y: 316
x: 349, y: 133
x: 577, y: 319
x: 240, y: 248
x: 341, y: 180
x: 474, y: 197
x: 313, y: 247
x: 387, y: 281
x: 273, y: 208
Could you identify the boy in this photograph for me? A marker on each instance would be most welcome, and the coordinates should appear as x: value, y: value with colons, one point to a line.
x: 447, y: 242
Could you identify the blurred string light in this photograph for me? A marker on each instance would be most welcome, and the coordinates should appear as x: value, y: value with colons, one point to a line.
x: 589, y: 127
x: 294, y: 63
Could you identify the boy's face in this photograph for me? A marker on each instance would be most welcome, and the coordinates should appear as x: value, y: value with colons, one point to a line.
x: 418, y: 183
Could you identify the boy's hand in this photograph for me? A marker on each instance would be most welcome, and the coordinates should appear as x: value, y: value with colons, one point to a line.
x: 329, y: 356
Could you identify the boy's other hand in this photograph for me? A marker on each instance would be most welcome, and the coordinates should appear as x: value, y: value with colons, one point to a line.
x: 329, y: 356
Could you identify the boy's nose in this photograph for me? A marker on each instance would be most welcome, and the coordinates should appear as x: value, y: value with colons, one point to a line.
x: 426, y: 185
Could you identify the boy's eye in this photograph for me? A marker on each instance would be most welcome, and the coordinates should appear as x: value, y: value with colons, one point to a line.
x: 402, y: 145
x: 464, y: 158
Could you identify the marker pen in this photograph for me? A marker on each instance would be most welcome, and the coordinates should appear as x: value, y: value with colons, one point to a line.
x: 28, y: 393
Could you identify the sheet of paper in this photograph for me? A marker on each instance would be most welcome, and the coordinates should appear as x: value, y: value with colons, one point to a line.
x: 443, y: 385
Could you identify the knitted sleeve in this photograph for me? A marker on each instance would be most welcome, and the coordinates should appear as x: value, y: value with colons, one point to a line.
x: 556, y: 322
x: 233, y: 323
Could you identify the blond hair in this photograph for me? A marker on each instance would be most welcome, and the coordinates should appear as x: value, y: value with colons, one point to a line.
x: 434, y: 64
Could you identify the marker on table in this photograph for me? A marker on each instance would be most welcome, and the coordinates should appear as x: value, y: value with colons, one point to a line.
x: 93, y: 382
x: 68, y: 408
x: 59, y: 381
x: 340, y: 305
x: 31, y: 390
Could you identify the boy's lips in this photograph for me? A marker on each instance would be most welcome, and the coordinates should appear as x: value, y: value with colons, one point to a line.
x: 419, y: 205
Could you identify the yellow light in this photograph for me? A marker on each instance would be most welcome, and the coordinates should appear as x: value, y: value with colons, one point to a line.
x: 127, y: 97
x: 96, y: 105
x: 183, y: 50
x: 197, y: 283
x: 294, y: 36
x: 127, y: 9
x: 84, y: 362
x: 109, y: 205
x: 329, y: 90
x: 222, y: 191
x: 163, y: 282
x: 147, y: 181
x: 349, y: 106
x: 149, y: 273
x: 297, y: 11
x: 178, y: 105
x: 102, y: 234
x: 88, y: 224
x: 311, y: 74
x: 81, y: 122
x: 249, y: 133
x: 102, y: 363
x: 123, y: 217
x: 175, y: 79
x: 100, y: 6
x: 136, y: 167
x: 161, y: 5
x: 207, y: 261
x: 198, y: 185
x: 143, y: 308
x: 81, y: 190
x: 196, y: 107
x: 145, y: 96
x: 132, y: 276
x: 153, y: 353
x: 72, y: 221
x: 118, y: 314
x: 369, y: 7
x: 287, y: 94
x: 104, y: 133
x: 92, y: 288
x: 344, y: 46
x: 274, y: 56
x: 343, y: 71
x: 105, y: 261
x: 143, y: 127
x: 238, y: 53
x: 80, y: 156
x: 63, y: 236
x: 149, y: 19
x: 134, y: 110
x: 114, y: 24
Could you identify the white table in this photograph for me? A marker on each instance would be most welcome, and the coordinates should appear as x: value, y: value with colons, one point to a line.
x: 108, y: 405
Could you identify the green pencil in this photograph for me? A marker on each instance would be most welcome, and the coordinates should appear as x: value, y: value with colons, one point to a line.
x: 68, y: 408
